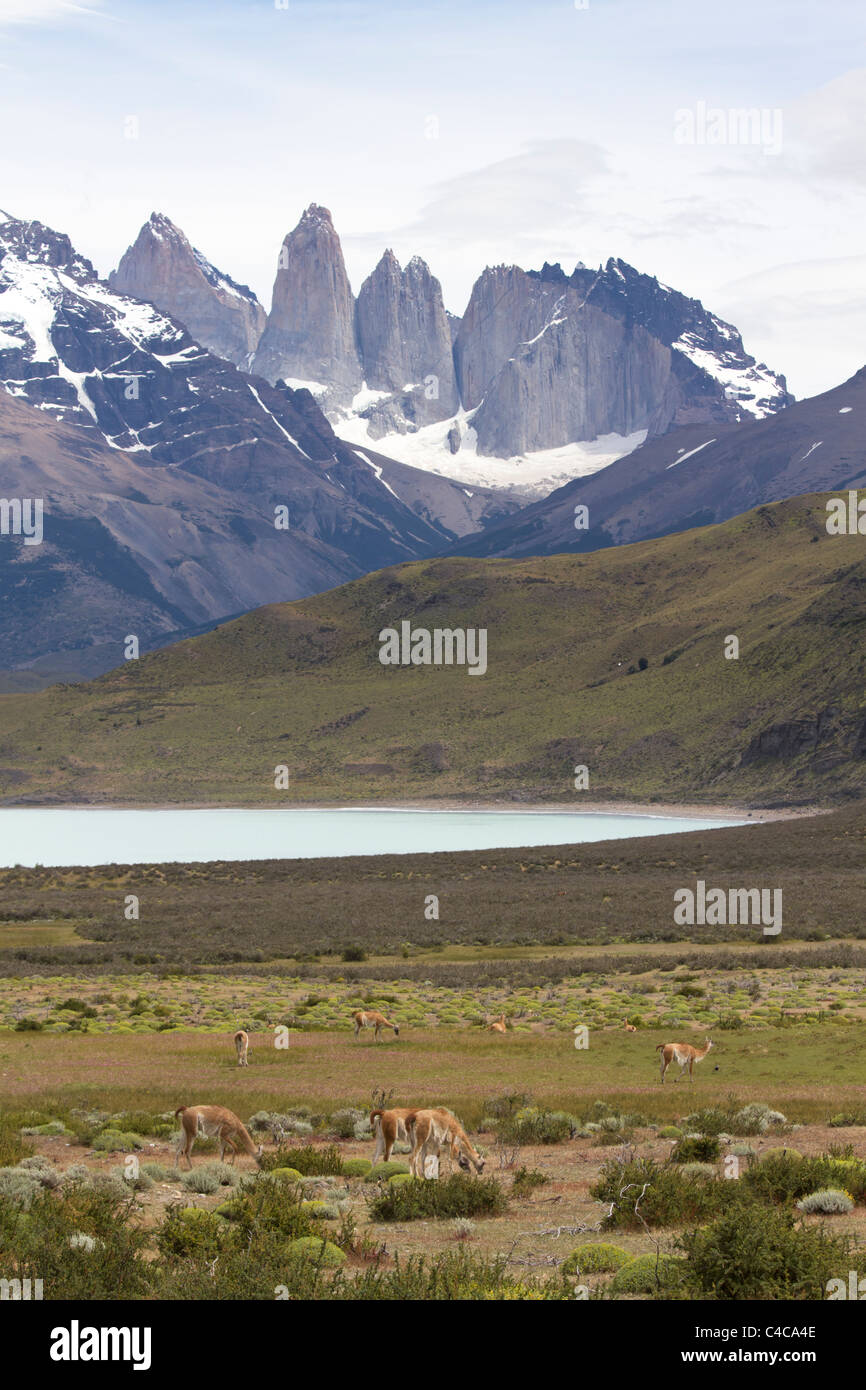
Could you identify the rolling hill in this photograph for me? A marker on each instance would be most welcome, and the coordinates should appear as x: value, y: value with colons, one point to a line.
x: 613, y: 660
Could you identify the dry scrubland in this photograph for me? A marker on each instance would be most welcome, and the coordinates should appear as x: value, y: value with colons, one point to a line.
x: 106, y: 1026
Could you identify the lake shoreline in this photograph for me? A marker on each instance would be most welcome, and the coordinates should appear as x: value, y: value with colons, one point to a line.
x: 656, y: 810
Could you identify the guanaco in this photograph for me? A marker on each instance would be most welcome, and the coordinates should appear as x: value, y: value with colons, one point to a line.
x: 371, y: 1019
x: 213, y: 1122
x: 498, y: 1025
x: 388, y: 1126
x: 683, y: 1054
x: 431, y: 1131
x: 242, y: 1047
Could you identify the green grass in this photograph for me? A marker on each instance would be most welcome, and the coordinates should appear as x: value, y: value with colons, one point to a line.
x: 786, y: 1068
x: 301, y: 684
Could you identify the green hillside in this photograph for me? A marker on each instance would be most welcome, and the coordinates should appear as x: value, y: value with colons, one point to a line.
x: 301, y: 684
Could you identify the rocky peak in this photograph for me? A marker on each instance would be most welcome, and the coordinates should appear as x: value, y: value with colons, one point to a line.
x: 36, y: 244
x: 163, y: 268
x: 310, y: 331
x: 405, y: 340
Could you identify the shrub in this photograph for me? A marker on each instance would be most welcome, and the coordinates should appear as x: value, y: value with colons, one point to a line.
x: 696, y: 1149
x: 533, y: 1125
x: 115, y: 1141
x: 709, y: 1121
x: 464, y: 1229
x: 191, y: 1231
x: 757, y: 1252
x: 831, y: 1201
x: 320, y: 1252
x: 459, y: 1195
x: 698, y: 1170
x: 308, y: 1160
x: 354, y: 953
x: 321, y: 1211
x: 648, y: 1274
x: 18, y: 1187
x: 200, y: 1180
x: 158, y: 1171
x: 343, y: 1122
x: 756, y: 1118
x: 383, y: 1171
x: 668, y: 1199
x: 398, y: 1178
x: 595, y: 1259
x: 286, y: 1174
x: 526, y: 1180
x: 356, y: 1167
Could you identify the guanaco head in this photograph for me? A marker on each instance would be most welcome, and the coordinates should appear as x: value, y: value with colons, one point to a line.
x: 396, y: 1030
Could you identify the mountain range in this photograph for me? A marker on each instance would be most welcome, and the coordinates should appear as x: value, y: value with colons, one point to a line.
x: 695, y: 476
x: 152, y: 421
x: 539, y: 359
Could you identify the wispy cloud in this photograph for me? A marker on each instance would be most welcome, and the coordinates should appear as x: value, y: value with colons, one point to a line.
x: 41, y: 12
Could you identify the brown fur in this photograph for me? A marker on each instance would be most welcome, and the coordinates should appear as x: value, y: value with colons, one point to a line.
x: 683, y: 1054
x: 388, y: 1126
x: 242, y: 1047
x: 498, y: 1025
x: 630, y: 1028
x: 213, y: 1122
x: 370, y: 1018
x: 431, y: 1131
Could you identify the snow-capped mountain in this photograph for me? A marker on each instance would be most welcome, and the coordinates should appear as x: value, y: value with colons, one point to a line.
x: 162, y: 267
x: 547, y: 375
x: 129, y: 379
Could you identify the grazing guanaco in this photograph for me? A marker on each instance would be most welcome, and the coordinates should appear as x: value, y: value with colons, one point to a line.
x: 683, y: 1054
x: 431, y: 1131
x: 630, y: 1028
x: 213, y: 1122
x: 388, y: 1126
x: 242, y: 1047
x: 371, y: 1019
x: 498, y: 1026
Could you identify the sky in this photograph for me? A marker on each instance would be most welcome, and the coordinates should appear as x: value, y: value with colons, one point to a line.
x: 469, y: 132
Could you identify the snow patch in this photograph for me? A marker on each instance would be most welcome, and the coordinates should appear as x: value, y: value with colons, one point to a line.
x: 682, y: 457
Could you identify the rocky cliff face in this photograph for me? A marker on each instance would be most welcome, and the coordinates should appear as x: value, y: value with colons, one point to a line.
x: 405, y: 345
x: 310, y: 332
x: 545, y: 359
x: 163, y: 268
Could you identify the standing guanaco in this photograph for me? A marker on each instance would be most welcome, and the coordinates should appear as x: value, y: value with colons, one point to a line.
x: 683, y: 1054
x: 371, y: 1019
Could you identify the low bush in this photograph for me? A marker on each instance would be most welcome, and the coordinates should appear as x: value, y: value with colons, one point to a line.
x: 383, y: 1171
x: 595, y: 1259
x: 664, y: 1197
x: 649, y: 1274
x: 702, y: 1149
x: 829, y: 1202
x: 309, y: 1160
x: 356, y: 1167
x: 757, y: 1252
x: 459, y: 1195
x: 526, y: 1180
x: 319, y: 1252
